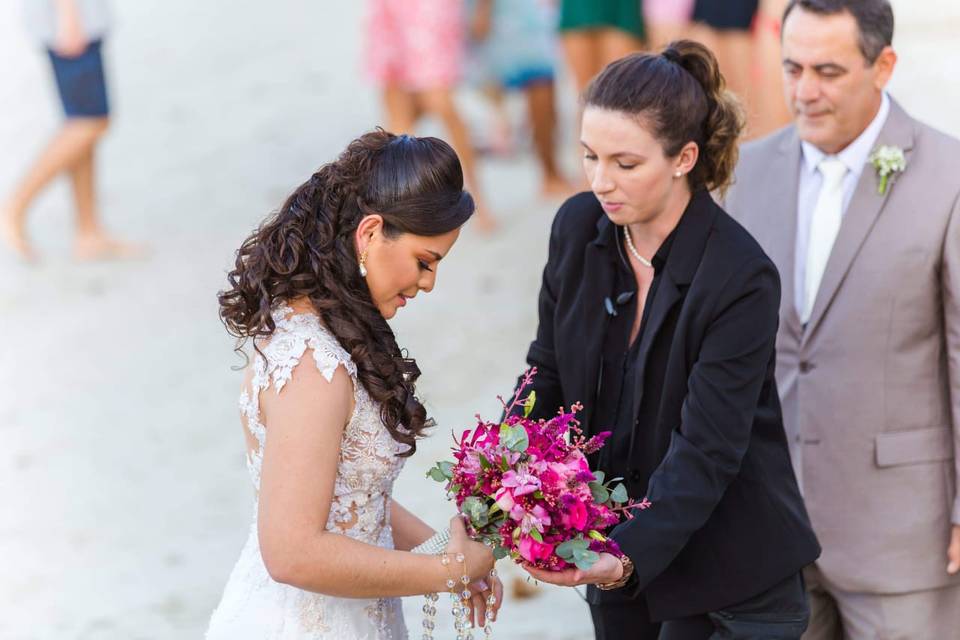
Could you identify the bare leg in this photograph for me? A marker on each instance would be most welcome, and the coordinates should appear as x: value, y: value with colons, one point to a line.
x: 772, y: 112
x: 72, y: 142
x: 401, y: 107
x: 501, y: 139
x: 615, y: 44
x: 543, y: 118
x: 439, y: 102
x: 92, y: 241
x: 734, y: 50
x: 660, y: 34
x: 582, y: 52
x: 735, y: 53
x: 583, y: 55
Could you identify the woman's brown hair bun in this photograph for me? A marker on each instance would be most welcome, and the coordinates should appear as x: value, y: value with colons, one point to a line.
x: 681, y: 94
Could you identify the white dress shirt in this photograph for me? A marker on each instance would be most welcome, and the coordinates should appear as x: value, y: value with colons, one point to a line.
x: 855, y: 157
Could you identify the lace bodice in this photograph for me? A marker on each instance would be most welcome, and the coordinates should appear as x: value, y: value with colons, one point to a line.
x: 360, y: 508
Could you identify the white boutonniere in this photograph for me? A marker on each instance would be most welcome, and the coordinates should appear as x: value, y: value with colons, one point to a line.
x: 888, y: 161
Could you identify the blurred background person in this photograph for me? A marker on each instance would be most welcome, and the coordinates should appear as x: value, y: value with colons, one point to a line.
x: 666, y: 21
x: 72, y: 31
x: 415, y: 52
x: 770, y: 110
x: 724, y: 26
x: 594, y: 33
x: 516, y: 44
x: 868, y: 348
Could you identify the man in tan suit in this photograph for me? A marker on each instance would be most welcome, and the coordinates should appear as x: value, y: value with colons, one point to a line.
x: 868, y: 352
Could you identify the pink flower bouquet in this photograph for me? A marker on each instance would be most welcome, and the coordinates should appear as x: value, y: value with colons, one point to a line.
x: 526, y: 489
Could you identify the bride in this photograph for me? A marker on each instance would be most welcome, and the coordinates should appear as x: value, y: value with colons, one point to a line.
x: 328, y: 406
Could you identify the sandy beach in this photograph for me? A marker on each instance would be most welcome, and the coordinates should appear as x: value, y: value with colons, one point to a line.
x: 122, y: 479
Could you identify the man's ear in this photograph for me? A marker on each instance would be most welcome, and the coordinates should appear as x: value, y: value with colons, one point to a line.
x: 884, y: 66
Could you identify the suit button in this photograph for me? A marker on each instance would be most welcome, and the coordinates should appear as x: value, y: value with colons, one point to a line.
x: 635, y: 475
x: 806, y: 367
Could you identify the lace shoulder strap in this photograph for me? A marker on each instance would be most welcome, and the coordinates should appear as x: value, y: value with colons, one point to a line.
x: 295, y: 333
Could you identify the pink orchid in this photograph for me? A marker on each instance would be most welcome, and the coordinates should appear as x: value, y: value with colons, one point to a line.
x: 521, y: 481
x: 537, y: 518
x: 505, y: 499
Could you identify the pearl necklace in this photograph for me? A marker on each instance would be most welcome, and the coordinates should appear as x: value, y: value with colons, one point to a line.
x: 633, y: 249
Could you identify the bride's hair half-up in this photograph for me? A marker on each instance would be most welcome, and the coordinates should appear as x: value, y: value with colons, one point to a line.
x: 306, y: 250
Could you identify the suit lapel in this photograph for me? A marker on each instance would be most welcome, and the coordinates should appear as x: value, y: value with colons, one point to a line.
x: 861, y: 214
x: 682, y: 262
x: 598, y: 276
x: 780, y: 240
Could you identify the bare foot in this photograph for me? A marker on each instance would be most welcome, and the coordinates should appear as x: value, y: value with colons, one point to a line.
x: 12, y: 234
x: 555, y: 188
x: 103, y: 247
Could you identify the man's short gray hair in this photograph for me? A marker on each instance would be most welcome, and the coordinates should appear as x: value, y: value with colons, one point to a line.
x: 874, y: 20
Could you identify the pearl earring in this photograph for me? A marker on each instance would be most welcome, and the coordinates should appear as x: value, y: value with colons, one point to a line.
x: 363, y: 267
x: 679, y: 174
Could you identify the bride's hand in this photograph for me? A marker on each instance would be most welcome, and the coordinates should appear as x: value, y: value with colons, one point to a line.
x: 479, y: 557
x: 479, y: 561
x: 480, y: 601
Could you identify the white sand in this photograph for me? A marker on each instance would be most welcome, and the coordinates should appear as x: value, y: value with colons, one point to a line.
x: 124, y: 495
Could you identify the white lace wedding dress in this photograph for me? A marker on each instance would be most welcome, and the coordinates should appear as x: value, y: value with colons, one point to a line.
x: 254, y: 606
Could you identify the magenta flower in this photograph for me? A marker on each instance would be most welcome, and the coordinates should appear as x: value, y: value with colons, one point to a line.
x: 534, y: 551
x: 575, y: 513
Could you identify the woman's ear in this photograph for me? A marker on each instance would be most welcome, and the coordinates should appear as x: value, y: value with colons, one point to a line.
x: 370, y: 227
x: 687, y: 159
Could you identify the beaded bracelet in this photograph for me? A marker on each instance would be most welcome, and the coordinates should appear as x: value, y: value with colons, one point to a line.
x: 459, y: 592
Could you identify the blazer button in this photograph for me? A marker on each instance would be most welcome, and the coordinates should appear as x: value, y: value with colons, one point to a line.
x: 806, y: 367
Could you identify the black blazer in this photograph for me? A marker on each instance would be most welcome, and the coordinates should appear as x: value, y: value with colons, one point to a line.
x: 727, y: 521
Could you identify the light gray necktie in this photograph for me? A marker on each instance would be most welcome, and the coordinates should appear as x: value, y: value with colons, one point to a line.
x: 824, y: 226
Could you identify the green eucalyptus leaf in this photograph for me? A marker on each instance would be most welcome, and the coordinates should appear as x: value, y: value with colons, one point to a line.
x: 435, y: 474
x: 619, y: 493
x: 598, y: 476
x: 600, y: 493
x: 500, y: 552
x: 475, y: 509
x: 585, y: 559
x: 568, y: 548
x: 514, y: 437
x: 565, y: 550
x: 446, y: 468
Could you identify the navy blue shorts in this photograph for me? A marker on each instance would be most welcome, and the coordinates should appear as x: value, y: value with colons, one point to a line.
x: 81, y: 84
x: 726, y: 15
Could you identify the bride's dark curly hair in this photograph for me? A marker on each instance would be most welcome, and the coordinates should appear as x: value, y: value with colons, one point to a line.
x: 306, y: 250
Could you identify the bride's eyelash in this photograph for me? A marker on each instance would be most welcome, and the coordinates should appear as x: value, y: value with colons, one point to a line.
x: 424, y: 265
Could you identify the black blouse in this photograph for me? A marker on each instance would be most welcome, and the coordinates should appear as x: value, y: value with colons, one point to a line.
x: 613, y: 408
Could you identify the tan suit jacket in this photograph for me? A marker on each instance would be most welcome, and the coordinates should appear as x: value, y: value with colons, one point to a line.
x: 871, y: 387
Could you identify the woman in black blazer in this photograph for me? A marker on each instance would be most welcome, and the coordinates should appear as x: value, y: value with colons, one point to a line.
x: 659, y: 312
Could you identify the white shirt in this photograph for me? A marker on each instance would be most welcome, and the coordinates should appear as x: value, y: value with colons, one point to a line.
x: 41, y: 19
x: 854, y: 157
